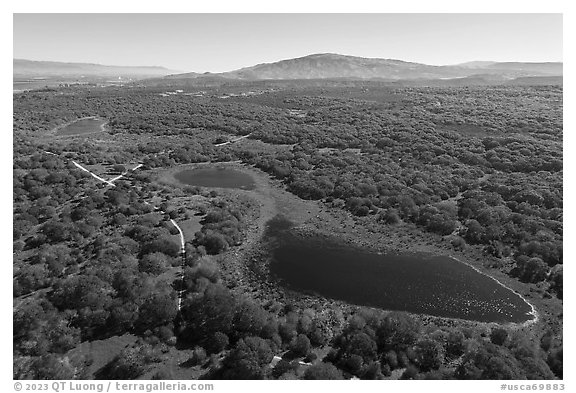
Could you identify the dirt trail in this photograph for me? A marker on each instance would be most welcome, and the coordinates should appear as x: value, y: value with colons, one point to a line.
x: 233, y: 140
x: 93, y: 174
x: 183, y: 256
x: 125, y: 173
x: 182, y: 239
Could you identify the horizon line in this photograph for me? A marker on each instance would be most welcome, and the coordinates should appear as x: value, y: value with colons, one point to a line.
x: 291, y: 58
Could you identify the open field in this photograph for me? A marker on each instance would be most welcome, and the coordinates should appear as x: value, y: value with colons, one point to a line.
x: 83, y: 127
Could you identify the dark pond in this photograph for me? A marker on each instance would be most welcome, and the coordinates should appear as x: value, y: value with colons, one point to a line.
x: 417, y: 283
x: 85, y: 126
x: 216, y: 177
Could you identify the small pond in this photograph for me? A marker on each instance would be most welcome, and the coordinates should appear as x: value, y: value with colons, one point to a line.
x: 412, y: 282
x: 216, y: 177
x: 81, y: 127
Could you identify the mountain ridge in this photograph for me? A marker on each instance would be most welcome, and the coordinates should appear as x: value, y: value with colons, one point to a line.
x: 333, y: 65
x: 315, y: 66
x: 23, y: 68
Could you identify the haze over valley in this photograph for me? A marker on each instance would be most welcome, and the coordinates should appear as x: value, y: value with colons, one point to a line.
x: 317, y: 66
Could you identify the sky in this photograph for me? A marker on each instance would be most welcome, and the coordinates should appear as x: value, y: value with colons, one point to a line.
x: 225, y: 42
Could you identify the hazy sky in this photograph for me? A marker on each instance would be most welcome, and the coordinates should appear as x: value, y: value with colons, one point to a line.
x: 224, y: 42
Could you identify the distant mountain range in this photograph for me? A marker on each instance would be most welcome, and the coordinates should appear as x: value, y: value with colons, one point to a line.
x: 29, y: 69
x: 334, y: 66
x: 317, y: 66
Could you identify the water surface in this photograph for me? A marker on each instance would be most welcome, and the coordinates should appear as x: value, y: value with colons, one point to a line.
x: 84, y: 126
x: 216, y: 177
x: 412, y: 282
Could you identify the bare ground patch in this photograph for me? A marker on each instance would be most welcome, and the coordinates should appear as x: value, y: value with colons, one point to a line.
x: 101, y: 352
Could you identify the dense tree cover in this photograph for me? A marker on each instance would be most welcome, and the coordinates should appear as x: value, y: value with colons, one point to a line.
x: 481, y: 166
x: 373, y: 343
x: 88, y: 270
x: 49, y: 367
x: 248, y: 359
x: 417, y: 159
x: 495, y: 152
x: 323, y: 371
x: 214, y: 317
x: 222, y: 229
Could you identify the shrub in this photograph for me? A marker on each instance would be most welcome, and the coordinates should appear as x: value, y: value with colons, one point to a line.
x: 429, y: 355
x: 498, y: 336
x: 410, y: 373
x: 455, y: 344
x: 390, y: 217
x: 248, y: 360
x: 323, y: 371
x: 372, y: 371
x: 391, y: 359
x: 301, y: 346
x: 198, y: 356
x: 217, y: 343
x: 531, y: 269
x: 153, y: 263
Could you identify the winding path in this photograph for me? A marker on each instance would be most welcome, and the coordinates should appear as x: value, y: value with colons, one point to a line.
x: 233, y: 140
x: 94, y: 175
x: 183, y: 256
x: 125, y: 173
x: 182, y: 239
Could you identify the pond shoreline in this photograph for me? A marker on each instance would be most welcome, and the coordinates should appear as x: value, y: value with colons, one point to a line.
x: 307, y: 243
x: 533, y: 312
x: 401, y: 239
x: 320, y: 219
x: 54, y: 131
x: 218, y: 177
